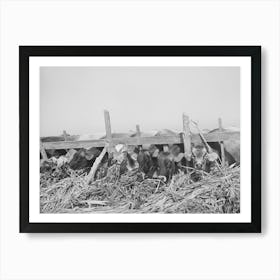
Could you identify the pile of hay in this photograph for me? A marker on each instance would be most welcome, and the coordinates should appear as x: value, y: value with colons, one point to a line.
x: 212, y: 194
x: 62, y: 190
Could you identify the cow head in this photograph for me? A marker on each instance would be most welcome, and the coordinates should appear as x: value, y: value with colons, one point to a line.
x: 125, y: 155
x: 201, y: 159
x: 168, y: 161
x: 166, y: 165
x: 155, y: 163
x: 147, y: 159
x: 83, y: 158
x: 119, y: 153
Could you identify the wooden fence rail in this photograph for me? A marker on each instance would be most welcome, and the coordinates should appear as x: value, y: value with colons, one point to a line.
x: 157, y: 140
x: 185, y: 138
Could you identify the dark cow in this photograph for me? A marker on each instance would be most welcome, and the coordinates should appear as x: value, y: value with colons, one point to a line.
x: 125, y: 157
x: 166, y: 166
x: 159, y: 161
x: 170, y: 161
x: 147, y: 159
x: 55, y: 153
x: 131, y: 157
x: 84, y: 158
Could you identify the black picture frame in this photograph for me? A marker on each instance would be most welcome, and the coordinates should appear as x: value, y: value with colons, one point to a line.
x: 25, y: 52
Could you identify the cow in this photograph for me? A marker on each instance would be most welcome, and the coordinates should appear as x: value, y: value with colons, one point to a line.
x: 166, y: 166
x: 201, y: 159
x: 150, y: 160
x: 170, y: 162
x: 125, y: 157
x: 206, y: 161
x: 136, y: 157
x: 206, y: 155
x: 55, y: 153
x: 231, y: 146
x: 231, y: 151
x: 147, y: 159
x: 64, y: 158
x: 155, y: 161
x: 84, y: 158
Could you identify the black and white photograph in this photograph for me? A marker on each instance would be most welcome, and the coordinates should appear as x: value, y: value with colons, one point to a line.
x: 131, y: 136
x: 169, y: 141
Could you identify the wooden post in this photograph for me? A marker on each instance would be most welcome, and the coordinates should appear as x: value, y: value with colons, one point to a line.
x: 43, y: 151
x: 108, y: 129
x: 187, y: 137
x: 138, y: 134
x: 222, y: 143
x: 65, y: 135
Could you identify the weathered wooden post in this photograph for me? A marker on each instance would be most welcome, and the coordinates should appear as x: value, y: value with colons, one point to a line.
x: 138, y: 134
x: 64, y: 135
x: 221, y: 143
x: 187, y: 137
x: 108, y: 130
x: 43, y: 151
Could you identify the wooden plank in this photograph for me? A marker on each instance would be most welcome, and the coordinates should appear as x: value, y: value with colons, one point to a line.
x: 221, y: 143
x: 108, y: 130
x: 157, y: 140
x: 52, y: 139
x: 187, y: 136
x: 74, y: 144
x: 64, y: 135
x: 107, y: 125
x: 138, y: 134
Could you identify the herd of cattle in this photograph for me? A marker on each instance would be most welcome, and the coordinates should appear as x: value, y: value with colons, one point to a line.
x: 154, y: 161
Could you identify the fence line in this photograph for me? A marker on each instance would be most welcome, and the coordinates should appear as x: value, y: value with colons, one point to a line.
x: 185, y: 138
x: 157, y: 140
x: 221, y: 142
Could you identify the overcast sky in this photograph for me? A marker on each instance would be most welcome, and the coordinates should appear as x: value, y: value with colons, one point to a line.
x: 73, y: 98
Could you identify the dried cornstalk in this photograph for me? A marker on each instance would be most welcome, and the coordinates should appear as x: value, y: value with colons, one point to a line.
x: 129, y: 192
x: 96, y: 164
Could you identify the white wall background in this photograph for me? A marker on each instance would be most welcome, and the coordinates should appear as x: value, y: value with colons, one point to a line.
x: 139, y: 256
